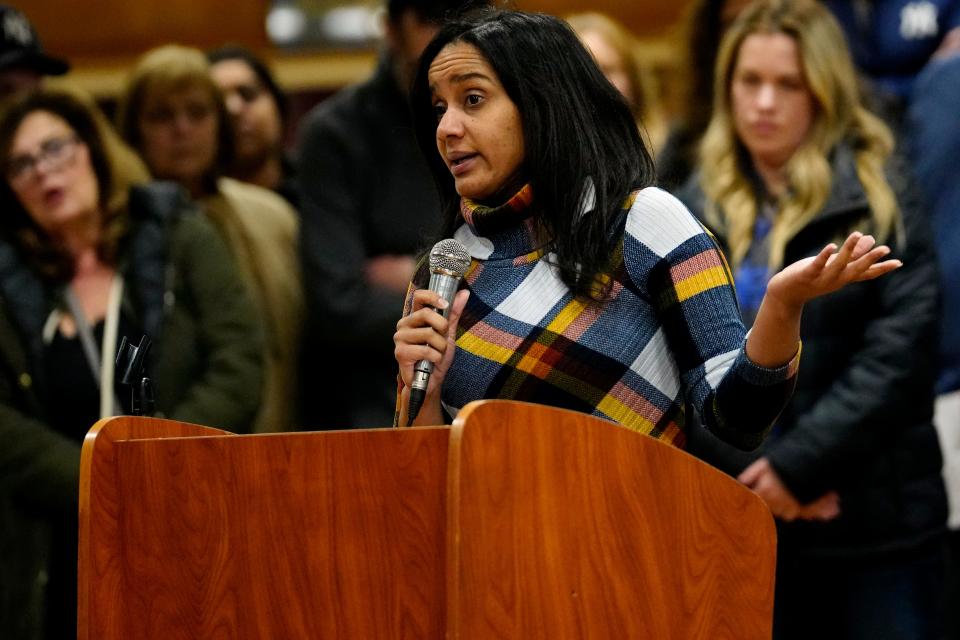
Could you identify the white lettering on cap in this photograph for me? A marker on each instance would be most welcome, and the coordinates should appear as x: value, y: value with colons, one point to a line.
x: 16, y: 27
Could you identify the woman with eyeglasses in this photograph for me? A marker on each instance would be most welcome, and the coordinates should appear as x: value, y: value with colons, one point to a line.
x: 91, y: 251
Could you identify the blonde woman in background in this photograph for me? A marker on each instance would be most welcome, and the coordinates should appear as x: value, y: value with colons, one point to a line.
x: 614, y: 48
x: 792, y: 160
x: 173, y: 113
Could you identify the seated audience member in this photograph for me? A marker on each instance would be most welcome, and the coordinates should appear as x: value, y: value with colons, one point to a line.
x: 23, y: 62
x: 589, y: 289
x: 368, y: 206
x: 173, y: 114
x: 258, y: 110
x: 92, y: 251
x: 791, y: 160
x: 613, y: 47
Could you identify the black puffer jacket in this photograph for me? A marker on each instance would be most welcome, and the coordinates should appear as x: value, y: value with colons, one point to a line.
x: 860, y: 419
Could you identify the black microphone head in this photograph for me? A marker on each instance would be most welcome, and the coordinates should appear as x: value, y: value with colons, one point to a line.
x: 450, y: 257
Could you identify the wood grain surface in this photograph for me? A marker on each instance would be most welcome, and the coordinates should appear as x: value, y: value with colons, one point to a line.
x: 566, y: 526
x: 520, y: 521
x: 312, y: 535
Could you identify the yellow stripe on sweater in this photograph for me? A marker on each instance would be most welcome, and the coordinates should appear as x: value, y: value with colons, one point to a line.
x: 567, y: 316
x: 707, y: 279
x: 623, y: 414
x: 485, y: 349
x: 479, y: 347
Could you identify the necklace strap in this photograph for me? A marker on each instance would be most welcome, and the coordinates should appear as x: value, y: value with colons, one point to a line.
x: 103, y: 368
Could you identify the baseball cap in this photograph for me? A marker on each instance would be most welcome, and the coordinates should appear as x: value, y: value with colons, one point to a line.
x: 20, y: 46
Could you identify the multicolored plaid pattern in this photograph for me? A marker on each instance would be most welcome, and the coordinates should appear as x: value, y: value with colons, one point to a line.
x: 668, y: 335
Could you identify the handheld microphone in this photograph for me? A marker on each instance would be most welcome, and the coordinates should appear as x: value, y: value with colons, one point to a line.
x: 449, y: 260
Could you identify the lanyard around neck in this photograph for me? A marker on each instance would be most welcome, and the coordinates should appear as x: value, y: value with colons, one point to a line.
x: 102, y: 368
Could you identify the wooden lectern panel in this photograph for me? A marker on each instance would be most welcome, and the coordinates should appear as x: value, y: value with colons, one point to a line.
x: 308, y: 535
x: 562, y: 525
x: 521, y: 521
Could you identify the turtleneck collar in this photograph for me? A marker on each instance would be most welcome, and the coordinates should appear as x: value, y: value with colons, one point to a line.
x: 509, y: 231
x: 487, y: 221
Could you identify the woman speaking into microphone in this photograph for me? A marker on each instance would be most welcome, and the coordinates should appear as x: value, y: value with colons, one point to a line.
x: 588, y: 288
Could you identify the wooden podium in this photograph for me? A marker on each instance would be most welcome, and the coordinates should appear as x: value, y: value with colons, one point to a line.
x: 519, y: 521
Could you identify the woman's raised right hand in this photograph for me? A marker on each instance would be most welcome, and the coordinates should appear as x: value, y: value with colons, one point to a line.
x: 424, y: 334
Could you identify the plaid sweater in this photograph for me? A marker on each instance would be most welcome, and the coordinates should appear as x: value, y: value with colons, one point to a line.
x: 669, y: 335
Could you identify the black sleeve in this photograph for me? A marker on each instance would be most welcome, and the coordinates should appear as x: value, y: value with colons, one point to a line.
x: 39, y: 468
x: 333, y: 183
x: 886, y: 383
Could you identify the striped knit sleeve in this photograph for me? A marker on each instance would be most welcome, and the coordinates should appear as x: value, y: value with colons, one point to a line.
x: 678, y: 267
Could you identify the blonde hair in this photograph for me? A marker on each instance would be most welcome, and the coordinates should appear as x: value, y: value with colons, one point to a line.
x: 647, y: 108
x: 839, y: 116
x: 170, y: 69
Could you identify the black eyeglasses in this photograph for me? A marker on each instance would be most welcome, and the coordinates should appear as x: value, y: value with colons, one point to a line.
x: 54, y: 154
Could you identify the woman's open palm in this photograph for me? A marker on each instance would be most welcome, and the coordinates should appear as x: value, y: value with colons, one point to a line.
x: 858, y: 259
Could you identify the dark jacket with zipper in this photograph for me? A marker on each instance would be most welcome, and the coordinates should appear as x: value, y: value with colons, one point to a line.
x: 859, y: 422
x: 182, y: 290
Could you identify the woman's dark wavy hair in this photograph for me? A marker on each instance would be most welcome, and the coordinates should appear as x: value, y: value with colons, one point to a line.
x: 576, y: 128
x: 115, y: 166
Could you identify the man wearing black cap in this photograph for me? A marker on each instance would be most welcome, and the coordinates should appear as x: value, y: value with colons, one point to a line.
x: 22, y: 60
